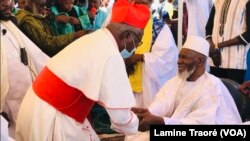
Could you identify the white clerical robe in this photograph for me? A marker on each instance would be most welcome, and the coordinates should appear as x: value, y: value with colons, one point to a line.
x: 15, y: 76
x: 159, y: 66
x: 204, y: 101
x: 198, y: 13
x: 93, y: 65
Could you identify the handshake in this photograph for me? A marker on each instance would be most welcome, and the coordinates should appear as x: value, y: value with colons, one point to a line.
x: 146, y: 119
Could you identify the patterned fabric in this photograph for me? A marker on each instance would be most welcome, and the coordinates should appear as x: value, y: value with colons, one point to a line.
x: 223, y: 17
x: 157, y: 26
x: 38, y: 29
x: 230, y: 22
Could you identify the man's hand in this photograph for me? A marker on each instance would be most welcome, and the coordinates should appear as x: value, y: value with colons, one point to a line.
x: 216, y: 57
x: 245, y: 87
x: 80, y: 33
x: 133, y: 59
x: 62, y: 19
x: 214, y: 53
x: 138, y: 111
x: 147, y: 119
x: 74, y: 21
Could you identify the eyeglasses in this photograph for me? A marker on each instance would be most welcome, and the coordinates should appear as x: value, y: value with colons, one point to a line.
x: 139, y: 42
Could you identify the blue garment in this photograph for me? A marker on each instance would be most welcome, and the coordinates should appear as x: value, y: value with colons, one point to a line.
x: 247, y: 75
x: 158, y: 24
x: 62, y: 28
x: 99, y: 19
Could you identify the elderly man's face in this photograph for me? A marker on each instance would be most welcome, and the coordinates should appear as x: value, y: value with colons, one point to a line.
x: 186, y: 63
x: 5, y: 8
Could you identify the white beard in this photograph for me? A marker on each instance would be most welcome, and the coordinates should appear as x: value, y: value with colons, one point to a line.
x: 185, y: 74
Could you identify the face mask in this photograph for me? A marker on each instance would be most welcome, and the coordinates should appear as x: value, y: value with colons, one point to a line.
x: 125, y: 53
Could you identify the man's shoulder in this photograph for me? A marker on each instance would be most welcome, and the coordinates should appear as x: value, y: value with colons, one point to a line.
x: 212, y: 81
x: 211, y: 77
x: 25, y: 16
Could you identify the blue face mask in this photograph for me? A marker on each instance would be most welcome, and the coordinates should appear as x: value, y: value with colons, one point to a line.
x: 125, y: 53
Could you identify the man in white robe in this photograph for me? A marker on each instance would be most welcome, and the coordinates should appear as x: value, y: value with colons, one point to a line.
x: 192, y: 97
x: 228, y: 33
x: 158, y: 65
x: 85, y: 72
x: 16, y: 76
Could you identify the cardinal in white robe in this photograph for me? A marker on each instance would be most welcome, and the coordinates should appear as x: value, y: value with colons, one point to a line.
x: 89, y: 70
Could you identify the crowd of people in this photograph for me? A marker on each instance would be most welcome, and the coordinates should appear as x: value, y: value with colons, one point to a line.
x: 62, y: 58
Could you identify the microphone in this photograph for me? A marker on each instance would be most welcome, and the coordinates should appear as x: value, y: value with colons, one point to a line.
x: 4, y: 31
x: 24, y: 57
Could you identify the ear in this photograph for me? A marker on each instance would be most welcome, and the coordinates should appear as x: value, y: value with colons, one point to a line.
x: 201, y: 61
x: 127, y: 35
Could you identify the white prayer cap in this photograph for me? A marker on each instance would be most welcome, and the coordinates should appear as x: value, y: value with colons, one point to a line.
x: 197, y: 44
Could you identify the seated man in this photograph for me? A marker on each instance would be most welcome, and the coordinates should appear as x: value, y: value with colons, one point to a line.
x: 192, y: 97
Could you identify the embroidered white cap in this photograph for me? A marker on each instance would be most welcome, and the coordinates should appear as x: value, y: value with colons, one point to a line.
x: 197, y: 44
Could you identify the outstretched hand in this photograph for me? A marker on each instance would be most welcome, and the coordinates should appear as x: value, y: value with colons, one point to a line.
x: 146, y: 118
x: 245, y: 87
x: 134, y: 59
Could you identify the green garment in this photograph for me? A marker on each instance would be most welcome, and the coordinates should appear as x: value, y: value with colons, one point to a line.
x: 38, y: 29
x: 62, y: 28
x: 14, y: 10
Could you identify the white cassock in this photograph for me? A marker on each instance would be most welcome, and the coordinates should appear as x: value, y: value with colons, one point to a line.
x: 15, y: 76
x: 159, y: 66
x: 205, y: 101
x: 198, y: 14
x: 93, y: 67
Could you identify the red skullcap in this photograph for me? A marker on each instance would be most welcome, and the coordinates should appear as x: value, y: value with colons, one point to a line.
x: 136, y: 15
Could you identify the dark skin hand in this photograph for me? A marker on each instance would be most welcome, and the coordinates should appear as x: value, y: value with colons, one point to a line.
x: 131, y: 62
x: 67, y: 19
x: 74, y: 21
x: 245, y: 87
x: 214, y: 53
x: 134, y: 59
x: 146, y: 119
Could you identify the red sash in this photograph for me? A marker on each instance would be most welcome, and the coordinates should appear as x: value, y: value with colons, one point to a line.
x: 64, y: 98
